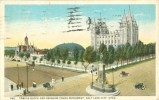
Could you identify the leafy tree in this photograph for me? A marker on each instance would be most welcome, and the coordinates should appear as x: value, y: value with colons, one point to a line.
x: 41, y: 59
x: 9, y: 53
x: 52, y: 60
x: 48, y: 56
x: 111, y: 54
x: 76, y: 54
x: 21, y: 55
x: 89, y: 56
x: 58, y: 61
x: 57, y: 53
x: 27, y: 55
x: 102, y: 48
x: 64, y: 54
x: 105, y: 56
x: 117, y: 54
x: 68, y: 62
x: 127, y: 51
x: 34, y: 58
x: 81, y: 55
x: 122, y: 54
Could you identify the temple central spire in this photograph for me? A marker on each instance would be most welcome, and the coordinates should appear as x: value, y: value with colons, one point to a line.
x: 26, y: 40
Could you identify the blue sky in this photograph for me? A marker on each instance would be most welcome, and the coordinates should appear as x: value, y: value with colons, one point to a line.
x: 36, y: 12
x: 45, y: 23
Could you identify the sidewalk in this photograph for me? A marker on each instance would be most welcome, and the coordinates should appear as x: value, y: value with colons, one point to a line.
x: 7, y: 88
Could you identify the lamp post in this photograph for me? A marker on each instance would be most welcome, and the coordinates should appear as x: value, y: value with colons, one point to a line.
x: 27, y: 67
x: 18, y: 73
x: 92, y: 74
x: 113, y: 79
x: 27, y: 77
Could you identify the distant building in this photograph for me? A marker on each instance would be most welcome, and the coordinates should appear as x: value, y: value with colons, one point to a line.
x: 26, y: 47
x: 127, y: 32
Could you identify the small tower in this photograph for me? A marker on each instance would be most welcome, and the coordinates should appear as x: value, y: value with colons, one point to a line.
x: 26, y: 40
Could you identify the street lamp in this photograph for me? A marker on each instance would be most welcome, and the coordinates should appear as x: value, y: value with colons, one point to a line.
x: 92, y: 75
x: 18, y: 73
x: 27, y: 77
x: 113, y: 78
x: 27, y: 67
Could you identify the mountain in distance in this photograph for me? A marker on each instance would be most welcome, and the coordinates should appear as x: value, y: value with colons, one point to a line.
x: 70, y: 46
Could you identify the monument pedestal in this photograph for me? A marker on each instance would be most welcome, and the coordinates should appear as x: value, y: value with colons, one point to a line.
x: 100, y: 87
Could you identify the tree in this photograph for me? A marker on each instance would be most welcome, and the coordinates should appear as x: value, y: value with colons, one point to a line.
x: 58, y: 61
x: 21, y: 55
x: 10, y: 53
x: 34, y: 58
x: 48, y: 56
x: 139, y: 49
x: 57, y: 53
x: 64, y: 54
x: 81, y: 55
x: 76, y: 55
x: 117, y: 54
x: 89, y: 56
x: 27, y: 55
x: 52, y: 60
x: 111, y: 54
x: 102, y: 48
x: 127, y: 51
x: 41, y: 59
x: 122, y: 54
x: 105, y: 56
x: 68, y: 62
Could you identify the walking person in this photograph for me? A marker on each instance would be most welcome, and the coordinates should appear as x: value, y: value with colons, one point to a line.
x: 22, y: 84
x: 17, y: 87
x: 12, y: 87
x: 24, y: 91
x: 34, y: 85
x: 62, y: 78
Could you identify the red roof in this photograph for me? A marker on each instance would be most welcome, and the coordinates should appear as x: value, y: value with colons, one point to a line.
x: 40, y: 51
x: 23, y: 47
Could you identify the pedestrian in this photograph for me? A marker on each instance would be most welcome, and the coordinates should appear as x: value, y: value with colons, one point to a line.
x: 62, y: 78
x: 24, y: 91
x: 53, y: 81
x: 34, y: 84
x: 12, y: 87
x: 17, y: 87
x: 22, y: 84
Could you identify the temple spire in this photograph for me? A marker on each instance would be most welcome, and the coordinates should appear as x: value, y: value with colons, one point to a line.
x: 26, y: 40
x: 129, y: 12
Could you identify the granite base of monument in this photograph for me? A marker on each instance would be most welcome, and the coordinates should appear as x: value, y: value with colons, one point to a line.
x: 102, y: 91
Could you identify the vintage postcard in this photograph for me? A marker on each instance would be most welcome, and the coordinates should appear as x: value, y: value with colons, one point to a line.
x: 79, y: 50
